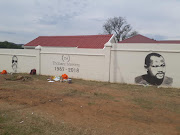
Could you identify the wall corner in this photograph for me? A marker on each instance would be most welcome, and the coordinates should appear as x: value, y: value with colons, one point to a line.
x: 107, y: 63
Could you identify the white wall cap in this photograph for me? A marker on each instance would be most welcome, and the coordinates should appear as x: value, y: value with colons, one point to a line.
x: 38, y: 47
x: 108, y: 44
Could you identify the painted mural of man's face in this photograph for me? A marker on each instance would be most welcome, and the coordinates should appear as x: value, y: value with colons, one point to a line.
x: 14, y: 63
x: 157, y: 67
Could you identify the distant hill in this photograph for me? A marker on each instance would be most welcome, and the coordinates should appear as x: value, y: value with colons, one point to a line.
x: 10, y: 45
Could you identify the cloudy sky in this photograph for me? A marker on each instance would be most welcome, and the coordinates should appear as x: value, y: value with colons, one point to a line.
x: 23, y: 20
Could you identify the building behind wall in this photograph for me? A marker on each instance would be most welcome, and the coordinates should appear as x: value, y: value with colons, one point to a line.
x: 86, y: 42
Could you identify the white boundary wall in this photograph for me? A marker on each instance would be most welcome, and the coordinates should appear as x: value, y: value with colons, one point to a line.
x: 26, y: 60
x: 127, y: 61
x: 90, y: 64
x: 120, y: 63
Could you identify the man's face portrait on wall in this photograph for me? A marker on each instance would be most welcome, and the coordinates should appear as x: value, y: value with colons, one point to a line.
x: 157, y: 67
x: 14, y: 63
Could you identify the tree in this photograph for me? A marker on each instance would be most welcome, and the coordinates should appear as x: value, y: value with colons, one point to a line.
x: 119, y: 27
x: 10, y: 45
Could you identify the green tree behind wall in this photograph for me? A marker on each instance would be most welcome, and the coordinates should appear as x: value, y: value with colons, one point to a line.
x: 10, y: 45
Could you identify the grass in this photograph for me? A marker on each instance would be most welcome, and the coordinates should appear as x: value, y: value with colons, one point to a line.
x: 90, y: 83
x: 138, y: 102
x: 168, y: 92
x: 172, y: 106
x: 144, y: 103
x: 103, y: 95
x: 73, y: 92
x: 142, y: 118
x: 178, y: 128
x: 91, y: 103
x: 18, y: 123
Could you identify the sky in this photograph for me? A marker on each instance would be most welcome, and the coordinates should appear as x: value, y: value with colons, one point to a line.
x: 21, y: 21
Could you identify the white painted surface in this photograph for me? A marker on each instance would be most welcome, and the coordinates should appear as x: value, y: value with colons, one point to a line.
x: 127, y: 61
x: 27, y: 60
x: 115, y: 63
x: 76, y: 63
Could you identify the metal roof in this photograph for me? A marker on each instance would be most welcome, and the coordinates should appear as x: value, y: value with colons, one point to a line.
x: 138, y: 39
x: 86, y: 41
x: 169, y: 41
x: 142, y: 39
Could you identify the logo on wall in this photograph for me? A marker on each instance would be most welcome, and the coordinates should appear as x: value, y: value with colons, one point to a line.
x: 66, y: 58
x: 156, y: 69
x: 14, y: 63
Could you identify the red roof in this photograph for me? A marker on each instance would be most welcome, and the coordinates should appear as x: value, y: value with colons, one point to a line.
x: 142, y: 39
x: 138, y: 39
x: 89, y: 41
x: 169, y: 41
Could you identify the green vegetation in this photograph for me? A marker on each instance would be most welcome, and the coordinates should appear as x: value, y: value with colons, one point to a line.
x: 36, y: 107
x: 103, y: 95
x: 144, y: 103
x: 91, y: 103
x: 73, y: 92
x: 10, y: 45
x: 24, y: 123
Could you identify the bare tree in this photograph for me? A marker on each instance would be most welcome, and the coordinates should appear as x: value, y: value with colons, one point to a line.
x: 119, y: 27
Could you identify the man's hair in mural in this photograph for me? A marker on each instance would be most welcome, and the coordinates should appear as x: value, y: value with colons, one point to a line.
x: 14, y: 63
x: 148, y: 59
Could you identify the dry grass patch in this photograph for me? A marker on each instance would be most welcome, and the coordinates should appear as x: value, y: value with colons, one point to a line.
x: 35, y: 106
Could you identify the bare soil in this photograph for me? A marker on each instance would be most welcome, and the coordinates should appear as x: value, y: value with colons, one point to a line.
x: 96, y: 108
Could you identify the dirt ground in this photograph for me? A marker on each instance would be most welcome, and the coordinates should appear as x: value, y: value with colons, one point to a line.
x: 98, y: 108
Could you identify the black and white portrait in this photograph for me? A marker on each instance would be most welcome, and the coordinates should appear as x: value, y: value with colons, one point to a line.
x: 14, y: 63
x: 156, y: 69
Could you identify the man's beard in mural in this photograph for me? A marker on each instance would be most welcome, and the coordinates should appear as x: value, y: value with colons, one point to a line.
x: 155, y: 80
x: 14, y: 63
